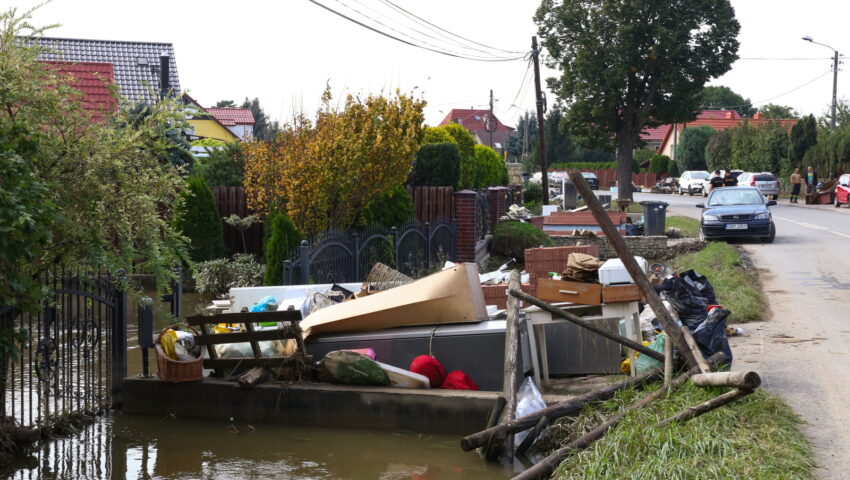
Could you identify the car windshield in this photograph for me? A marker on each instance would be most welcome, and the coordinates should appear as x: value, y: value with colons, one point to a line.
x: 699, y: 175
x: 588, y: 175
x: 735, y: 197
x: 765, y: 177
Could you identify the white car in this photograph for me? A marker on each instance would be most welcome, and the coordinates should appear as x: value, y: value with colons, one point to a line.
x: 692, y: 181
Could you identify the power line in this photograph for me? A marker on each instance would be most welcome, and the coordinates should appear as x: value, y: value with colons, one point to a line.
x: 442, y: 52
x: 388, y: 2
x: 794, y: 89
x: 785, y: 58
x: 523, y: 85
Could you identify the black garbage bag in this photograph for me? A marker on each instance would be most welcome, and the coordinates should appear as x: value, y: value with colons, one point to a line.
x: 690, y: 307
x: 710, y: 335
x: 699, y: 285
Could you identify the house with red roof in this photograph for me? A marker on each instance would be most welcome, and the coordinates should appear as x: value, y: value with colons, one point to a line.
x: 95, y: 80
x: 240, y: 121
x: 223, y: 124
x: 486, y: 129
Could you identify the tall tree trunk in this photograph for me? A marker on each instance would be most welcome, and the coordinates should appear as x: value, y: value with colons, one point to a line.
x: 625, y: 151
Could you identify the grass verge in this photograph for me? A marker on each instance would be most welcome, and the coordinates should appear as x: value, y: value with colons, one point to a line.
x: 736, y: 288
x: 634, y: 207
x: 688, y: 226
x: 757, y: 437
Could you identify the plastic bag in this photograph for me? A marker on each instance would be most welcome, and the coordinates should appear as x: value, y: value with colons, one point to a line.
x: 645, y: 363
x: 167, y: 341
x: 710, y: 335
x: 351, y: 369
x: 700, y: 285
x: 529, y: 401
x: 265, y: 304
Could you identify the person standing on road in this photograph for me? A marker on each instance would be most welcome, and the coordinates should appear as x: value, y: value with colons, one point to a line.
x: 715, y: 182
x: 796, y: 181
x: 730, y: 180
x: 811, y: 180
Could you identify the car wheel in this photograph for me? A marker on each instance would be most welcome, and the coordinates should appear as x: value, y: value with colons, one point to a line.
x: 702, y: 236
x: 680, y: 190
x: 704, y: 193
x: 690, y: 192
x: 837, y: 203
x: 771, y: 237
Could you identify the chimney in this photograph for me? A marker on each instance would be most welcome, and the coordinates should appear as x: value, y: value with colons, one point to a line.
x: 757, y: 116
x: 164, y: 74
x: 729, y: 115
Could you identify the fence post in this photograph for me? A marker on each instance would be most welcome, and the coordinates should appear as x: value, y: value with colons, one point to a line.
x: 356, y: 257
x: 394, y: 234
x: 427, y: 245
x: 119, y: 340
x: 286, y: 278
x: 465, y: 212
x: 145, y: 329
x: 177, y: 294
x: 304, y: 258
x: 498, y: 205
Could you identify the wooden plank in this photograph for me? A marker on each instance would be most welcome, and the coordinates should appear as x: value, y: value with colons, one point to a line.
x: 255, y: 317
x: 255, y: 347
x: 564, y: 291
x: 211, y: 349
x: 223, y: 363
x: 284, y: 333
x: 620, y: 293
x: 511, y: 371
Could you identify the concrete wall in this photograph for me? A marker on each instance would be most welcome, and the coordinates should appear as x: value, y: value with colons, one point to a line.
x: 649, y: 247
x: 422, y: 411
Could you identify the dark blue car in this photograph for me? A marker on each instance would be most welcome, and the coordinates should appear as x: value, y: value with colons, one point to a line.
x: 737, y: 212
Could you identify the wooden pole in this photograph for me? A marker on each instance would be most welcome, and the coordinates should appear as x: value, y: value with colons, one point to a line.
x: 491, y: 450
x: 668, y: 361
x: 638, y: 275
x: 628, y: 342
x: 541, y: 121
x: 745, y: 380
x: 563, y: 409
x: 550, y: 463
x: 511, y: 381
x: 532, y: 435
x: 707, y: 406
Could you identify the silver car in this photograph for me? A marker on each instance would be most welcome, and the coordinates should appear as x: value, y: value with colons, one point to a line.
x: 766, y: 182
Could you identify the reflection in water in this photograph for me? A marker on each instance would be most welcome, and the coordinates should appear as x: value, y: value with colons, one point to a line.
x: 136, y: 447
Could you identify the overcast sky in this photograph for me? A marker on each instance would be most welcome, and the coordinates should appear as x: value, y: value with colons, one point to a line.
x: 285, y: 51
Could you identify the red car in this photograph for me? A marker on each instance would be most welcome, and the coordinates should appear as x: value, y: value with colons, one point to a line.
x: 842, y: 190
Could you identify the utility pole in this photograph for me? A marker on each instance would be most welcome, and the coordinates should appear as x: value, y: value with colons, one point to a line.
x: 525, y: 139
x: 834, y: 86
x: 491, y: 126
x: 544, y: 172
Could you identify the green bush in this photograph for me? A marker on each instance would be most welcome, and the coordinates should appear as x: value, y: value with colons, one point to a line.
x: 216, y: 277
x: 436, y: 135
x: 392, y: 209
x: 466, y: 147
x: 224, y: 167
x: 490, y: 167
x: 672, y: 167
x: 660, y: 164
x: 283, y: 240
x: 197, y: 219
x: 510, y: 239
x: 438, y: 165
x: 533, y: 192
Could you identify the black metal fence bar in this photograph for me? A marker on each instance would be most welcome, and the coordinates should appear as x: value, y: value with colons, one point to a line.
x: 414, y: 249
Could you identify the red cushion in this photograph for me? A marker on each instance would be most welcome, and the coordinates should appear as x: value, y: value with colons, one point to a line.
x: 430, y: 367
x: 458, y: 380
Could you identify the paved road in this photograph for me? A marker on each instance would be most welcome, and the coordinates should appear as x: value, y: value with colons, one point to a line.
x: 802, y: 349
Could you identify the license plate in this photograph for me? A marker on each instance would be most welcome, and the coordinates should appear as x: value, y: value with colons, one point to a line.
x: 736, y: 226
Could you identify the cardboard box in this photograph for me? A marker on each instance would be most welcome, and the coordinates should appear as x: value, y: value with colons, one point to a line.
x: 621, y: 293
x: 563, y: 291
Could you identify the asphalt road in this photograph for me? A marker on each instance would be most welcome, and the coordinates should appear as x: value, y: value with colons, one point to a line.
x: 801, y: 351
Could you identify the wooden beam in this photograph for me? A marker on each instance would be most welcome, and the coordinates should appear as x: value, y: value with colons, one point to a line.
x: 638, y: 275
x: 746, y: 380
x: 271, y: 362
x: 707, y: 406
x: 511, y: 380
x: 254, y: 317
x: 239, y: 337
x: 628, y: 342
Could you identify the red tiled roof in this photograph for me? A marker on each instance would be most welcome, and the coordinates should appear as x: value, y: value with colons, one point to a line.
x: 731, y: 119
x: 655, y: 133
x: 232, y: 116
x: 93, y: 79
x: 472, y: 120
x: 710, y: 114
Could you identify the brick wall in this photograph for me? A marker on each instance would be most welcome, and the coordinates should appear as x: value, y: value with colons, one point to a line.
x: 648, y: 247
x: 498, y: 204
x: 464, y: 208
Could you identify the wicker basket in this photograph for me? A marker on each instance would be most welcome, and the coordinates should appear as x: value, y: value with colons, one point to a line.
x: 175, y: 371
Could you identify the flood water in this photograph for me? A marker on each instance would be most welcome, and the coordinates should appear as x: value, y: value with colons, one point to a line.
x: 138, y: 447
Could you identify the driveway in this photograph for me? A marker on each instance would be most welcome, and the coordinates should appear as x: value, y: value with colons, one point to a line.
x: 801, y: 351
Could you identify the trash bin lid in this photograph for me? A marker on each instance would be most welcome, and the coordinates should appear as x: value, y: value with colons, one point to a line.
x: 653, y: 203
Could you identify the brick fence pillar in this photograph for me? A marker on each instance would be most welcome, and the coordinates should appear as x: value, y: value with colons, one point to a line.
x: 464, y: 203
x: 498, y: 204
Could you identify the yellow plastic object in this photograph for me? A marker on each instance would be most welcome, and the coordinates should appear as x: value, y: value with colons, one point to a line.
x: 167, y: 340
x: 626, y: 365
x: 226, y: 328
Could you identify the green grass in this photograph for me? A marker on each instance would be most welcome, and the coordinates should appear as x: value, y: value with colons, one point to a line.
x: 688, y: 226
x: 634, y: 207
x: 736, y: 289
x: 757, y: 438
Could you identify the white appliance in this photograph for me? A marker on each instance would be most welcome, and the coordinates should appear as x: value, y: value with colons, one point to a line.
x: 613, y: 271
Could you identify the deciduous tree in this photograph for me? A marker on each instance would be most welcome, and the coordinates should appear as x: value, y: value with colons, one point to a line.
x: 804, y: 135
x: 629, y: 65
x: 719, y: 97
x: 690, y: 152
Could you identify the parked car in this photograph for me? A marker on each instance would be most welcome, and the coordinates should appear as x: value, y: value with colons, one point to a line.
x: 842, y: 190
x: 737, y: 212
x: 705, y: 188
x: 766, y: 182
x: 692, y: 181
x: 591, y: 179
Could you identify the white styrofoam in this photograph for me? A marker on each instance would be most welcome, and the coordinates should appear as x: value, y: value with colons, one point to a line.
x: 613, y: 271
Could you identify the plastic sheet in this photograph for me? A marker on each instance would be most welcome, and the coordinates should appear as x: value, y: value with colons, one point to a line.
x: 529, y: 400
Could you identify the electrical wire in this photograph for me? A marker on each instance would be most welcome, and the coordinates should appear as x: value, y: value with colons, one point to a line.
x: 412, y: 15
x: 523, y: 86
x: 793, y: 89
x: 787, y: 58
x: 442, y: 52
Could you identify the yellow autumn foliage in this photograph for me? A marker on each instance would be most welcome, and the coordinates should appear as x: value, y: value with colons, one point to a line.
x: 325, y: 173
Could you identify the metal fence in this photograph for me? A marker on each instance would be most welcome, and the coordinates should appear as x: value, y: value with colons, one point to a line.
x: 414, y: 249
x: 482, y: 214
x: 75, y: 358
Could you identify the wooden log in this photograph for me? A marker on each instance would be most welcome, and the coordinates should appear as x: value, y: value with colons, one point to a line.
x: 253, y: 377
x: 668, y: 362
x: 550, y: 463
x: 692, y: 344
x: 562, y: 409
x: 511, y: 382
x: 646, y: 288
x: 745, y: 380
x: 706, y: 406
x: 490, y: 452
x: 535, y: 432
x: 628, y: 342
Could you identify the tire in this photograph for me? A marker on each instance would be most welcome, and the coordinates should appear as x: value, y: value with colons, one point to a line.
x: 776, y: 197
x: 837, y: 203
x: 704, y: 193
x: 680, y: 190
x: 690, y: 192
x: 770, y: 238
x: 702, y: 236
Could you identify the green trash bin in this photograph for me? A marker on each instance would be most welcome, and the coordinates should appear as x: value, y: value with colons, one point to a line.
x: 654, y: 217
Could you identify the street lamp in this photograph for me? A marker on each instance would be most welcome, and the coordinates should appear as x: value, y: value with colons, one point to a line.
x: 834, y: 76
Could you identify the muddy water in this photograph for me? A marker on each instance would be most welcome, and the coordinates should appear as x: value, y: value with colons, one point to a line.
x: 125, y: 446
